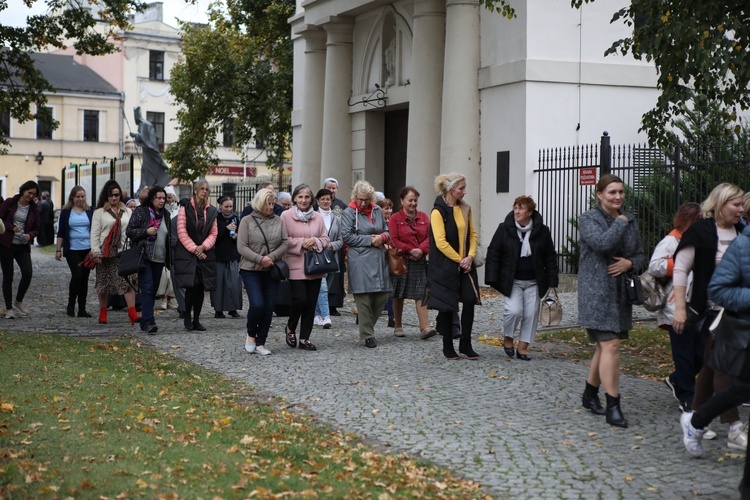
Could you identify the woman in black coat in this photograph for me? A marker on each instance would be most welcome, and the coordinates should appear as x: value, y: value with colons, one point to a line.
x: 227, y: 296
x: 522, y: 265
x: 195, y: 258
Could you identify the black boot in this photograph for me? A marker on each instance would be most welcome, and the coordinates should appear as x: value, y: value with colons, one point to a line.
x: 71, y: 310
x: 448, y: 350
x: 464, y: 347
x: 614, y: 412
x: 188, y: 321
x: 590, y: 400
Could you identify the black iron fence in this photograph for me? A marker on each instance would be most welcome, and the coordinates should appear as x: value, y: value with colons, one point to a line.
x: 656, y: 183
x: 242, y: 194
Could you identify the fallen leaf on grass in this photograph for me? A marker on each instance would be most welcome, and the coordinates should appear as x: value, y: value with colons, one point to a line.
x: 6, y: 407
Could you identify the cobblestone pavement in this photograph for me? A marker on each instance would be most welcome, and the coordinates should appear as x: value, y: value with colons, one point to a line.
x: 516, y: 427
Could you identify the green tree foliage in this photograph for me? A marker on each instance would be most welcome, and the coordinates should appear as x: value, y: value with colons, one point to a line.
x: 66, y: 22
x: 701, y: 49
x: 236, y: 71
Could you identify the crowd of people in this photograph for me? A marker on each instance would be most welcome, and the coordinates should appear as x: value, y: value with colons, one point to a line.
x: 279, y: 242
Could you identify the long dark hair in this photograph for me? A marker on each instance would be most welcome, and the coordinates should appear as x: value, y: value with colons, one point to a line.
x: 152, y: 194
x: 109, y: 186
x: 29, y: 185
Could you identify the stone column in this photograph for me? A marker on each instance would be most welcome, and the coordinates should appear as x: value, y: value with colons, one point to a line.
x: 425, y: 99
x: 459, y: 143
x: 312, y: 107
x: 337, y: 124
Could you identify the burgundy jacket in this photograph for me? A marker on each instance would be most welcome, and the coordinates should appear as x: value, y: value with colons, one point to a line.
x: 8, y: 210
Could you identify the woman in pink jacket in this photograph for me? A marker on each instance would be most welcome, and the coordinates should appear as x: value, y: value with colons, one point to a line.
x: 306, y: 232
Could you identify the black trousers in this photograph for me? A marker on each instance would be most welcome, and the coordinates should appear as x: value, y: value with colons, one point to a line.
x: 304, y: 298
x: 22, y: 255
x: 78, y: 288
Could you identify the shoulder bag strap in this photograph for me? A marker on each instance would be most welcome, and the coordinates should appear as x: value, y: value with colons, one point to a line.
x: 261, y: 232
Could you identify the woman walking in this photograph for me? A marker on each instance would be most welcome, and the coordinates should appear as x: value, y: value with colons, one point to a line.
x: 74, y: 241
x: 21, y: 218
x: 410, y: 232
x: 522, y: 265
x: 227, y: 295
x: 700, y: 250
x: 324, y: 197
x: 150, y: 225
x: 261, y: 241
x: 108, y: 225
x: 365, y: 233
x: 452, y: 274
x: 610, y: 247
x: 195, y: 258
x: 306, y: 232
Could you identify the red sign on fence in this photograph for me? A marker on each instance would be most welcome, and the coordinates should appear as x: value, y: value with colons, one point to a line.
x: 587, y: 176
x: 232, y: 171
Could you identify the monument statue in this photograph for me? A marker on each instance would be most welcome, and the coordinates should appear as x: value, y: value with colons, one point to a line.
x: 390, y: 63
x: 153, y: 168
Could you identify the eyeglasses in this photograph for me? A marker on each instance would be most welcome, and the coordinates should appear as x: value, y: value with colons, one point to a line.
x: 114, y: 195
x: 366, y: 200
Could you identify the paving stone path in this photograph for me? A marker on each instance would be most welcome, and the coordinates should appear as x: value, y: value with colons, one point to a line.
x: 516, y: 427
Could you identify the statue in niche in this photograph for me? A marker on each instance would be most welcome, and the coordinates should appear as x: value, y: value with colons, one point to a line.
x: 390, y: 63
x: 153, y: 168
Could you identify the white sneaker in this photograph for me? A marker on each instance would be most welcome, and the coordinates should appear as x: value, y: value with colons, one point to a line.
x: 249, y: 346
x: 737, y: 440
x: 709, y: 434
x: 262, y: 351
x: 10, y: 314
x: 318, y: 321
x: 692, y: 437
x: 163, y: 305
x: 327, y: 322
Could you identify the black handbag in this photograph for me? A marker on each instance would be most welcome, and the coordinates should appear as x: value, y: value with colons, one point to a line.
x: 280, y: 270
x: 633, y: 288
x: 731, y: 351
x: 130, y: 260
x: 321, y: 262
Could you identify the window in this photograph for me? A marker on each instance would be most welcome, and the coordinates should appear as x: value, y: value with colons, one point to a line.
x: 227, y: 135
x: 259, y: 143
x: 43, y: 130
x: 90, y: 125
x: 5, y: 123
x: 157, y: 120
x: 156, y: 65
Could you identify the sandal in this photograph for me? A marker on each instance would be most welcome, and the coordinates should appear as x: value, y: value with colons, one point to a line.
x: 291, y: 338
x: 306, y: 345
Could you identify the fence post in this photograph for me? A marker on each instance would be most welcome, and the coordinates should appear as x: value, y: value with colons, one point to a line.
x: 677, y: 178
x: 93, y: 184
x: 62, y: 176
x: 605, y: 155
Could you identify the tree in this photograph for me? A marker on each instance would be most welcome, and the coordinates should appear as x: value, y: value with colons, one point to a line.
x: 700, y: 50
x: 236, y: 71
x: 67, y: 22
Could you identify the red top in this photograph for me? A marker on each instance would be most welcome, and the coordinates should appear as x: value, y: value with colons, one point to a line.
x: 407, y: 234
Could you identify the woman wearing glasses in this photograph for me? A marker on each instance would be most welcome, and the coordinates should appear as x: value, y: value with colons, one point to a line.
x: 108, y: 225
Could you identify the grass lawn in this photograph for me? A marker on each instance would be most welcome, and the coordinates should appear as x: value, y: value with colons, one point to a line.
x: 647, y: 353
x: 85, y: 419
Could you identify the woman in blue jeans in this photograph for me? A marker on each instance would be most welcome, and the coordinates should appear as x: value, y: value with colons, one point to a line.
x: 261, y: 241
x: 729, y: 288
x: 150, y: 223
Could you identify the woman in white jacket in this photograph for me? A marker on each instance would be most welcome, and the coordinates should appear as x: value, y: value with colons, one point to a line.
x: 687, y: 349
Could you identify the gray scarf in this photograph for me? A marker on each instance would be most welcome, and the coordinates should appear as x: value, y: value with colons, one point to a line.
x: 523, y: 235
x: 305, y: 216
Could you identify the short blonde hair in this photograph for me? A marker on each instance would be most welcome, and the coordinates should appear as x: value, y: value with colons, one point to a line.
x: 261, y: 198
x: 445, y: 182
x: 719, y: 197
x: 363, y: 187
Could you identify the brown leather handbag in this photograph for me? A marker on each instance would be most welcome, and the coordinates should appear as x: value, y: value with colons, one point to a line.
x: 396, y: 264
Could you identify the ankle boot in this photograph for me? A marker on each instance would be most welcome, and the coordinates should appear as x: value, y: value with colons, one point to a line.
x: 71, y: 310
x: 103, y: 315
x: 464, y: 347
x: 188, y: 321
x: 590, y: 400
x: 133, y: 315
x: 614, y: 412
x: 448, y: 350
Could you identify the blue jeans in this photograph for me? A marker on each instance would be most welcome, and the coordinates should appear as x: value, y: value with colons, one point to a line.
x: 148, y: 281
x: 321, y: 308
x: 687, y: 353
x: 261, y: 294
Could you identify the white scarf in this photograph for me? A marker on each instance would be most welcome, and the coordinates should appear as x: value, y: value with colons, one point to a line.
x: 523, y: 235
x: 305, y: 216
x: 327, y: 214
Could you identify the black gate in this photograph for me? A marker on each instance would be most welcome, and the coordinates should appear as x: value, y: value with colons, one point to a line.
x: 656, y: 183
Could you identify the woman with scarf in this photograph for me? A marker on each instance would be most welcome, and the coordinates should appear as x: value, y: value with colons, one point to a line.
x: 452, y: 274
x: 21, y: 219
x: 324, y: 197
x: 74, y: 239
x: 150, y: 223
x: 195, y: 257
x: 410, y: 232
x: 306, y: 232
x: 108, y: 225
x: 227, y: 296
x: 365, y: 233
x: 522, y: 265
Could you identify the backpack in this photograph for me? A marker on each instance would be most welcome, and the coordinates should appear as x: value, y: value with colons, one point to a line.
x: 654, y: 294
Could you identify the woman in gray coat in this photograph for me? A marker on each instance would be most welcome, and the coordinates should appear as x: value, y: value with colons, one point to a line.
x: 324, y: 197
x: 365, y: 232
x: 610, y: 247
